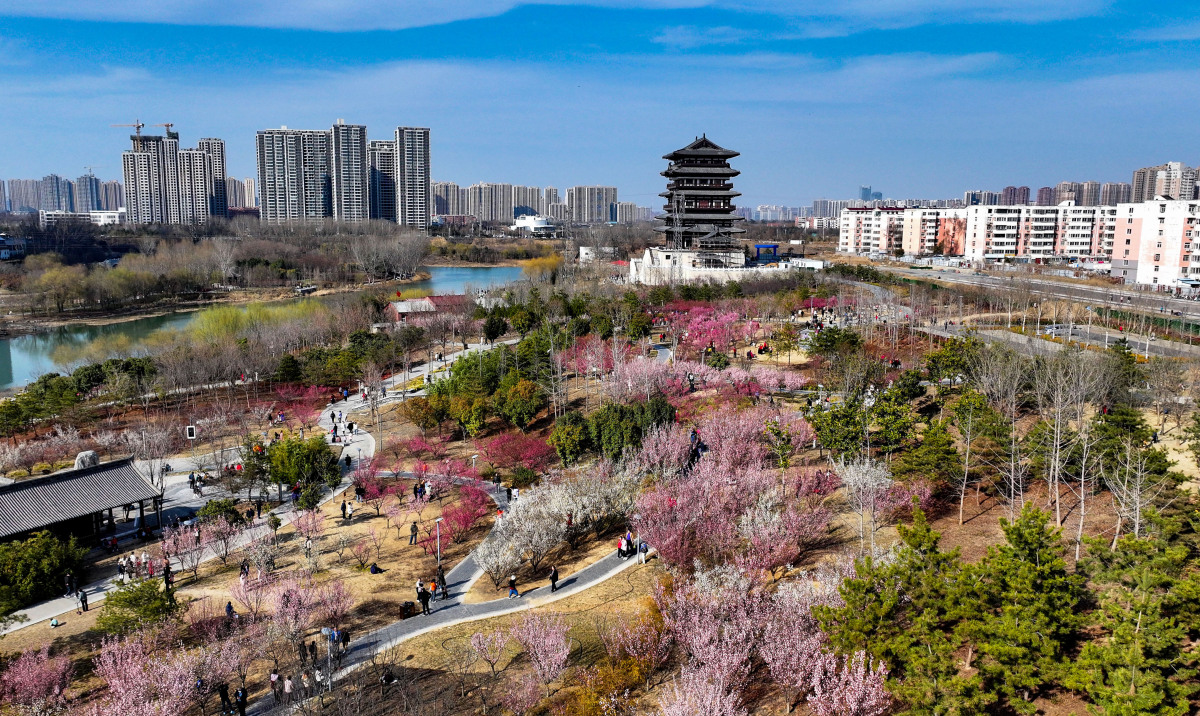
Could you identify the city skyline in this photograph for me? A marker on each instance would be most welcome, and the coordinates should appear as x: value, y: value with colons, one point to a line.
x: 803, y: 88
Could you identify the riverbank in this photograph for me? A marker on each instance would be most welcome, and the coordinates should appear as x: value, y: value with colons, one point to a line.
x: 23, y: 325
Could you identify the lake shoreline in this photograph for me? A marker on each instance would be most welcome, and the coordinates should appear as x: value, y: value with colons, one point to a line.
x: 26, y: 326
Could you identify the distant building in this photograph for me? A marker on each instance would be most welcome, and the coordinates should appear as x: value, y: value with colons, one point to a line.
x: 414, y: 193
x: 1046, y: 196
x: 1012, y: 195
x: 112, y: 196
x: 348, y: 171
x: 864, y: 193
x: 1113, y: 193
x: 48, y: 219
x: 87, y: 193
x: 398, y: 311
x: 294, y: 175
x: 930, y: 231
x: 591, y: 204
x: 250, y: 194
x: 1173, y: 179
x: 24, y: 195
x: 1089, y: 193
x: 527, y: 200
x: 382, y: 179
x: 218, y: 197
x: 55, y: 194
x: 449, y: 199
x: 3, y: 198
x: 981, y: 198
x: 491, y: 202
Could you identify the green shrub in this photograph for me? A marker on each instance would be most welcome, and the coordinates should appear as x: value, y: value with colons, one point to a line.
x: 32, y: 570
x: 136, y: 604
x: 523, y: 477
x: 217, y: 508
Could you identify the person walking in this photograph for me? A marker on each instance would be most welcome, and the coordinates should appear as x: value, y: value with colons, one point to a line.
x: 553, y: 578
x: 508, y: 494
x: 343, y: 509
x: 512, y: 587
x: 319, y: 678
x: 350, y: 513
x: 424, y: 596
x: 303, y: 654
x: 412, y: 533
x: 441, y: 580
x: 83, y: 599
x: 420, y: 586
x: 276, y: 686
x: 344, y: 638
x: 223, y: 692
x: 312, y: 651
x: 239, y: 700
x: 68, y: 583
x: 305, y: 685
x: 288, y: 688
x: 643, y: 550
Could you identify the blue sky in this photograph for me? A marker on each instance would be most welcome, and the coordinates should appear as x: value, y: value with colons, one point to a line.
x: 920, y: 98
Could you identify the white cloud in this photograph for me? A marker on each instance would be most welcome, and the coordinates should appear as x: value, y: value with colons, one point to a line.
x: 834, y: 16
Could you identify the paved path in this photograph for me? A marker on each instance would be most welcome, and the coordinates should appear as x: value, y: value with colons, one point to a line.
x: 179, y: 499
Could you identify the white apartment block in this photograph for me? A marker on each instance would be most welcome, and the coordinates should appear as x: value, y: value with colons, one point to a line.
x: 195, y: 186
x: 1157, y: 243
x: 931, y: 231
x: 871, y: 231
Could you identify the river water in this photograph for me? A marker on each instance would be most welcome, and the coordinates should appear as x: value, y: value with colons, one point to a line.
x: 24, y: 358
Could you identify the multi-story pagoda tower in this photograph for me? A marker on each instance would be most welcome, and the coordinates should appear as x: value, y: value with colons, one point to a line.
x: 700, y: 198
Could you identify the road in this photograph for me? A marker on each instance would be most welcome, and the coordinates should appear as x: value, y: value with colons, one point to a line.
x: 1114, y: 296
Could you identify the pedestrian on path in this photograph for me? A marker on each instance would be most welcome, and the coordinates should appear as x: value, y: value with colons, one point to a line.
x: 344, y: 638
x: 423, y: 595
x: 276, y: 686
x: 412, y: 533
x: 441, y: 580
x: 305, y: 685
x: 420, y: 586
x: 350, y: 512
x: 287, y: 689
x: 553, y: 578
x: 512, y: 587
x: 643, y: 550
x: 239, y: 699
x: 83, y: 599
x: 343, y: 509
x: 312, y: 651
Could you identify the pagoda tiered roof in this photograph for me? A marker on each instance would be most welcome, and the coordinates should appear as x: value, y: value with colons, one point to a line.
x: 700, y: 197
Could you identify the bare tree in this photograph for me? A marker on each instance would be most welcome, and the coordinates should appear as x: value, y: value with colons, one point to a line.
x: 866, y: 483
x: 1165, y: 376
x: 224, y: 253
x: 1133, y: 487
x: 1000, y: 373
x: 151, y: 445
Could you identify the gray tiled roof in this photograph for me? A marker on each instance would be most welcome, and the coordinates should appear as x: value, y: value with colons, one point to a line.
x: 30, y: 505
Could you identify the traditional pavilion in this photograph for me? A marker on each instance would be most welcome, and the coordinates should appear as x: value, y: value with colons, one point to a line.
x: 700, y: 198
x: 79, y: 501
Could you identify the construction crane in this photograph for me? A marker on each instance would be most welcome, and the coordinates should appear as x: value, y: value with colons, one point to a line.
x: 137, y: 124
x: 168, y: 125
x: 91, y: 170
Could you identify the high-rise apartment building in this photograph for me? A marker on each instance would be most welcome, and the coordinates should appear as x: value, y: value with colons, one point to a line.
x: 382, y: 179
x: 112, y: 196
x: 166, y: 185
x: 1173, y: 179
x: 1113, y: 193
x: 24, y: 195
x: 449, y: 199
x: 591, y: 204
x: 3, y: 198
x: 55, y: 194
x: 1067, y: 191
x: 1012, y: 195
x: 527, y: 200
x: 491, y: 202
x: 235, y: 193
x: 248, y: 188
x: 981, y: 198
x: 414, y: 191
x: 87, y: 193
x: 549, y: 196
x: 1089, y: 193
x: 864, y: 192
x: 294, y: 175
x: 218, y: 200
x: 1046, y: 196
x: 348, y: 171
x: 195, y: 186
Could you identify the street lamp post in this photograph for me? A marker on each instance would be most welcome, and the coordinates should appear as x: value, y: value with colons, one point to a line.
x: 438, y: 524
